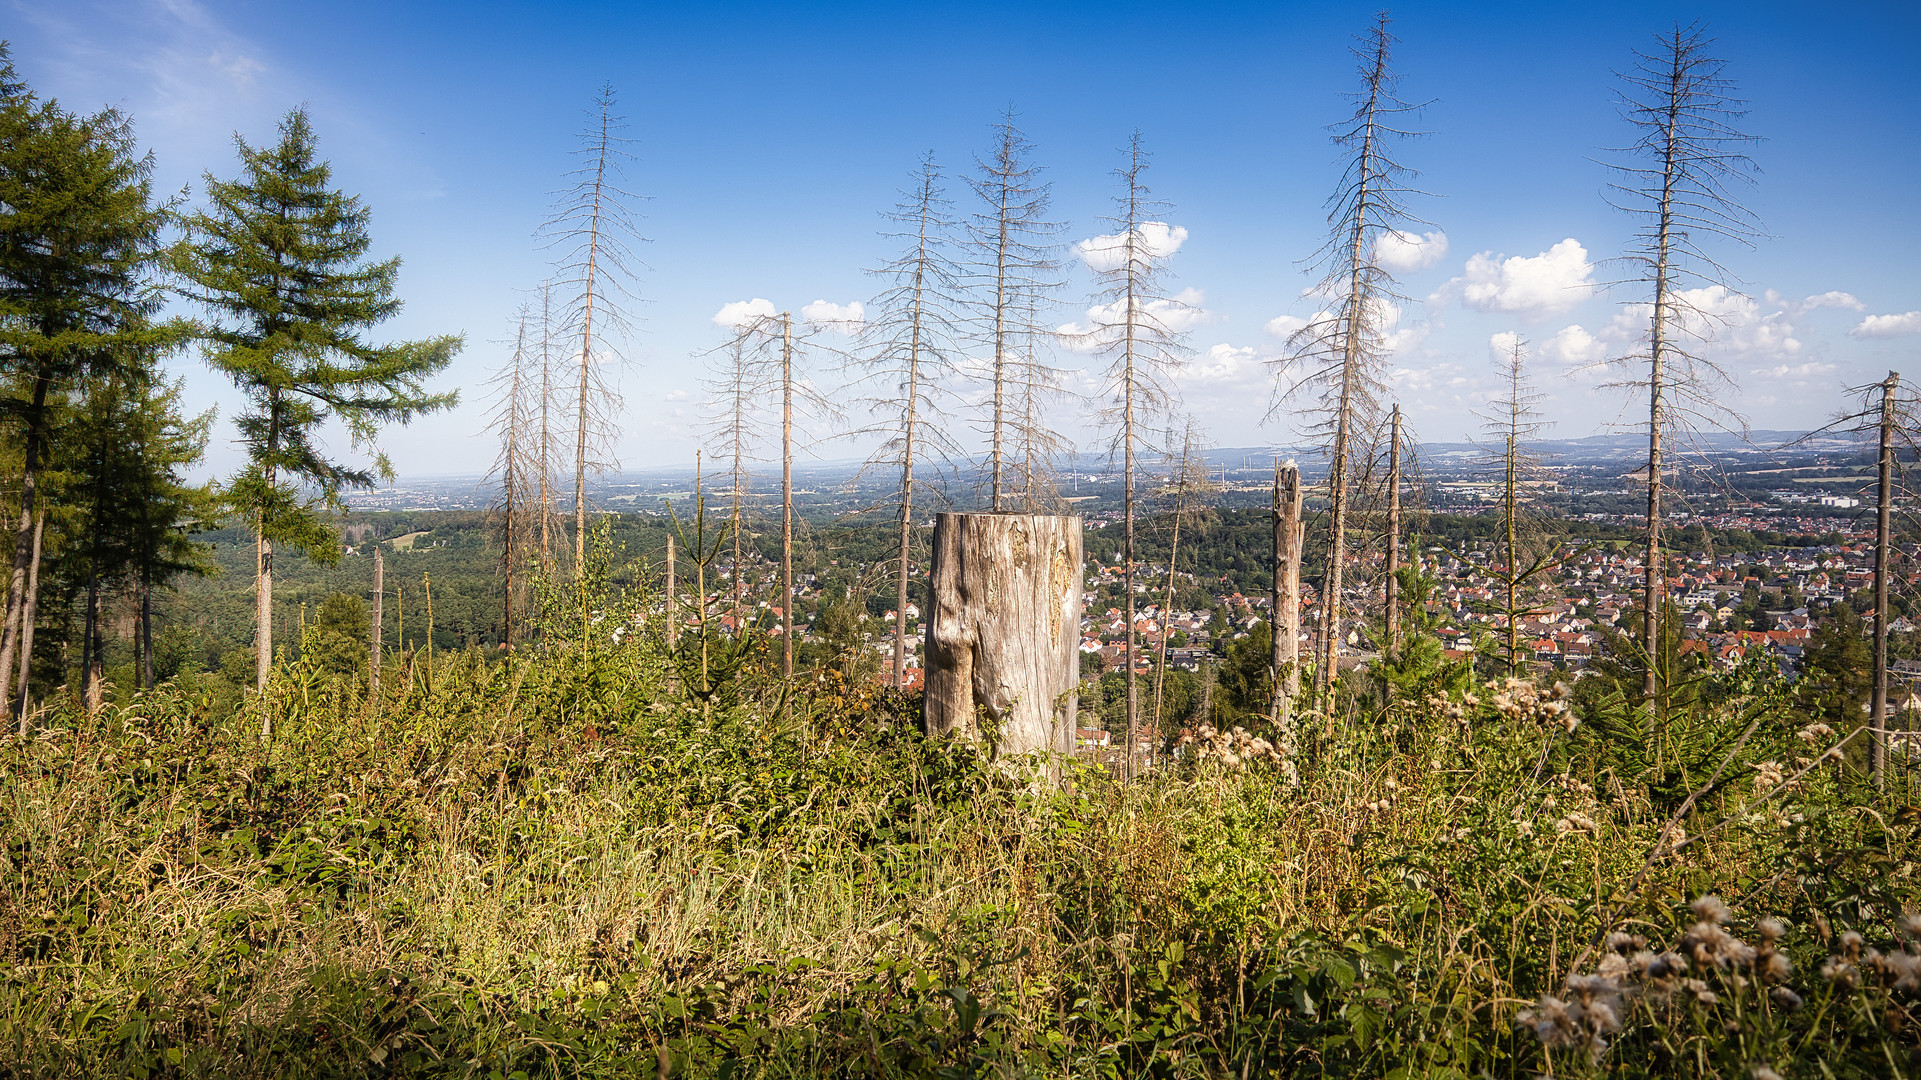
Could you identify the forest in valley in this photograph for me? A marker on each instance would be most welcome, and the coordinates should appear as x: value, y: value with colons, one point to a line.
x: 563, y: 788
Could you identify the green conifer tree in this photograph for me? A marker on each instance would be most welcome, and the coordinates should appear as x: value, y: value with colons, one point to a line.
x: 167, y: 507
x: 79, y: 241
x: 130, y: 511
x: 277, y: 258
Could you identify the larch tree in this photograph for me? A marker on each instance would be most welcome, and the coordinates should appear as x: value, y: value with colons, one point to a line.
x: 1678, y: 179
x: 168, y: 507
x: 908, y: 356
x: 1336, y: 360
x: 592, y: 230
x: 80, y: 242
x: 1138, y: 330
x: 1011, y: 276
x: 128, y: 511
x: 278, y: 260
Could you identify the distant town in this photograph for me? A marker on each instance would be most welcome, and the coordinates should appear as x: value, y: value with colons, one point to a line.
x: 1766, y: 536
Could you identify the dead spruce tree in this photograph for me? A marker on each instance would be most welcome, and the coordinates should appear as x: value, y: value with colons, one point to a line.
x: 1891, y: 415
x: 547, y: 461
x: 1336, y: 360
x: 908, y: 360
x: 511, y: 420
x: 1509, y: 427
x: 1677, y: 180
x: 1186, y: 489
x: 591, y: 230
x: 1138, y: 330
x: 1037, y: 446
x: 1011, y: 277
x: 770, y: 360
x: 739, y: 384
x: 1390, y: 576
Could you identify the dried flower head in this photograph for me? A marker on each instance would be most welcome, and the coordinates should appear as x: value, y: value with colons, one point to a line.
x: 1709, y: 909
x: 1776, y: 967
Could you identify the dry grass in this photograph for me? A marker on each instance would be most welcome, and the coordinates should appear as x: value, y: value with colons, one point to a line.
x: 522, y: 870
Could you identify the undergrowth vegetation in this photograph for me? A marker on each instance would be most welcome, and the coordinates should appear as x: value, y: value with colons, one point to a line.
x: 566, y: 864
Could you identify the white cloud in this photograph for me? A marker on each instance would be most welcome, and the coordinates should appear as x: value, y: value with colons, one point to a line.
x: 1430, y: 380
x: 1736, y: 324
x: 1284, y: 326
x: 739, y: 313
x: 1530, y: 286
x: 1573, y: 347
x: 242, y: 70
x: 1731, y: 326
x: 1396, y: 338
x: 1795, y: 371
x: 1223, y: 363
x: 1500, y: 346
x: 1175, y: 315
x: 1400, y: 251
x: 846, y: 318
x: 1155, y: 239
x: 1798, y: 308
x: 1887, y: 326
x: 1387, y: 318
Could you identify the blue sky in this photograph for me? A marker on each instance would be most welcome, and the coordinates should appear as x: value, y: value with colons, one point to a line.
x: 769, y: 138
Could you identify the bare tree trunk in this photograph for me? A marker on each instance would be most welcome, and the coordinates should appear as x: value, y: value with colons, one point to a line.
x: 672, y: 606
x: 1003, y: 630
x: 1327, y: 646
x: 1288, y: 535
x: 1653, y: 579
x: 909, y: 429
x: 146, y: 631
x: 1884, y: 502
x: 1345, y: 345
x: 92, y: 665
x: 263, y: 611
x: 787, y: 496
x: 1680, y: 180
x: 583, y: 411
x: 23, y: 560
x: 740, y: 614
x: 427, y: 589
x: 1127, y: 572
x: 29, y: 616
x: 375, y: 622
x: 907, y: 527
x: 546, y: 437
x: 1393, y: 584
x: 1167, y: 604
x: 1510, y: 498
x: 507, y: 568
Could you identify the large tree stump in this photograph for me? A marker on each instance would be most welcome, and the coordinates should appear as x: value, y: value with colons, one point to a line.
x: 1004, y: 630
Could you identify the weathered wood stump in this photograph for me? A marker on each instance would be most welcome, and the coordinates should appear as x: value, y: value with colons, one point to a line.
x: 1004, y: 630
